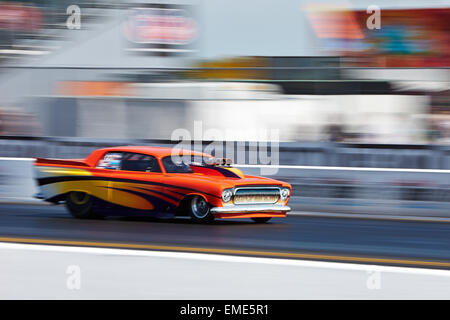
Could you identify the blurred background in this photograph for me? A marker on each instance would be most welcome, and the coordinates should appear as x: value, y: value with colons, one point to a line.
x: 311, y: 69
x: 343, y: 87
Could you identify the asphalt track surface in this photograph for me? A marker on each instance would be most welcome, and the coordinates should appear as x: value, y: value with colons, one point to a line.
x: 368, y: 241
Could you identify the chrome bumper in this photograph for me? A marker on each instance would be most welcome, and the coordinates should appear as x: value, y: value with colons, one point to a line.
x: 251, y: 208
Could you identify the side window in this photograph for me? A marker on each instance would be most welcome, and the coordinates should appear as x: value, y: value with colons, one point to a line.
x: 111, y: 160
x: 139, y: 162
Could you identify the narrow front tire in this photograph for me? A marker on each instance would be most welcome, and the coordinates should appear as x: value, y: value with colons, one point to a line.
x: 200, y: 210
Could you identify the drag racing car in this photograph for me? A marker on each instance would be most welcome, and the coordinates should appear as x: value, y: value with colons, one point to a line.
x: 158, y: 182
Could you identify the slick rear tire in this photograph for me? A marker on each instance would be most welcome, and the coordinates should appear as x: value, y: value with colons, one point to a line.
x: 261, y: 220
x: 79, y: 205
x: 199, y: 210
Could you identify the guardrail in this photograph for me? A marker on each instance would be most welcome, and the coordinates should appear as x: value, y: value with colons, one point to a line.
x: 289, y: 153
x: 381, y: 191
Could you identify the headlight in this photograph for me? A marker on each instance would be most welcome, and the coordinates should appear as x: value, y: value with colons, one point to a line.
x: 284, y: 193
x: 226, y: 195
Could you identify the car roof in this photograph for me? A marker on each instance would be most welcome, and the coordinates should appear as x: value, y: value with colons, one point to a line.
x: 159, y: 152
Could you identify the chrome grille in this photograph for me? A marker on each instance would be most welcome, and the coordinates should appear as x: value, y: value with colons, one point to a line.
x: 256, y: 195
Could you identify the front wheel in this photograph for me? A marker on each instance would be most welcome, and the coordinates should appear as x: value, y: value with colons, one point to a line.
x: 79, y: 205
x: 200, y: 210
x: 261, y: 220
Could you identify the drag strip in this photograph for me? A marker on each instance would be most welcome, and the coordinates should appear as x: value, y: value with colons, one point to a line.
x: 383, y: 242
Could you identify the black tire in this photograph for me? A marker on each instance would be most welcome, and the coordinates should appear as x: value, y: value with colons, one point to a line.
x: 199, y: 210
x: 79, y: 205
x: 261, y: 220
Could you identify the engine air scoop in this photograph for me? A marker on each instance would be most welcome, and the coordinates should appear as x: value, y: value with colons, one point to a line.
x: 225, y: 162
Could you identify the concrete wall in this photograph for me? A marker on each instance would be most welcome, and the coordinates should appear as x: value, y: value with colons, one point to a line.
x: 424, y: 193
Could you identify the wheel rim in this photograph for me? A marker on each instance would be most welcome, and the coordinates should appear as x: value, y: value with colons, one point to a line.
x: 200, y: 207
x: 79, y: 198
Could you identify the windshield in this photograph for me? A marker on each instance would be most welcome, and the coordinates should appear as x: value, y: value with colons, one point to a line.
x: 181, y: 164
x: 175, y: 167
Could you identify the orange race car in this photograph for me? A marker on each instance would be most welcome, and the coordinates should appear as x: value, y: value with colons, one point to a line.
x: 158, y: 182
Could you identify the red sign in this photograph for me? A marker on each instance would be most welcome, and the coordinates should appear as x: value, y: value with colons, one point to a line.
x: 18, y: 18
x: 160, y: 26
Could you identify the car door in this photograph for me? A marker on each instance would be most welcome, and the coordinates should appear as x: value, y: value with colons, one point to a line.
x: 177, y: 177
x: 138, y: 183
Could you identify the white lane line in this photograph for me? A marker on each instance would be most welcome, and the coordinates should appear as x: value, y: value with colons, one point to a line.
x: 341, y: 168
x: 16, y: 159
x: 301, y: 167
x: 223, y: 258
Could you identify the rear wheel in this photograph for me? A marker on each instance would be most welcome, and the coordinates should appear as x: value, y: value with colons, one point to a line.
x: 200, y: 210
x: 261, y: 220
x: 79, y: 205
